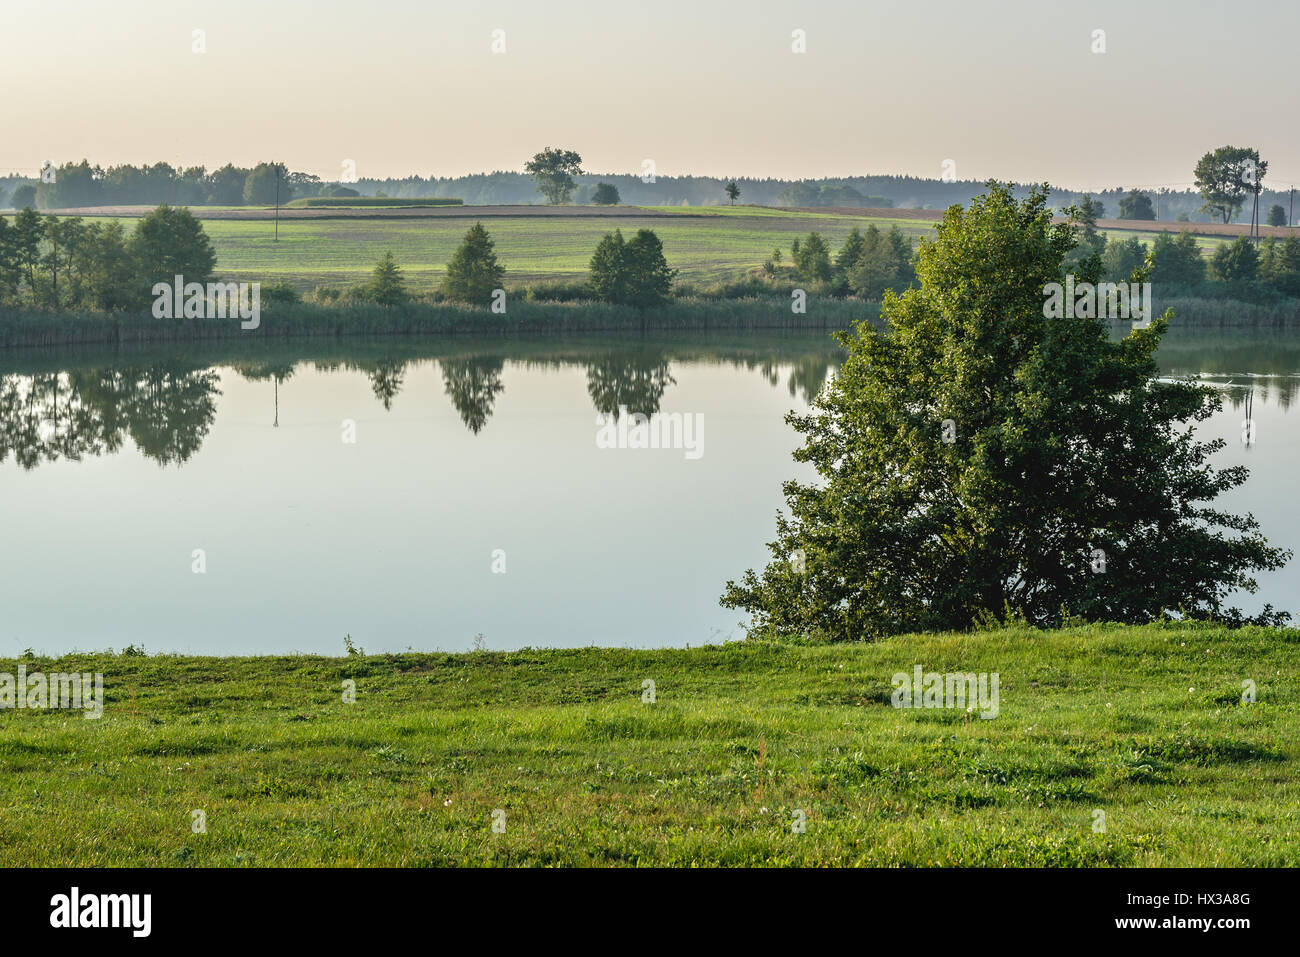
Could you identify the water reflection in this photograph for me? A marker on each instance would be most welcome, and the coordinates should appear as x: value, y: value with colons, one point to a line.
x: 166, y: 409
x: 473, y: 385
x: 634, y: 382
x: 52, y: 408
x: 166, y: 406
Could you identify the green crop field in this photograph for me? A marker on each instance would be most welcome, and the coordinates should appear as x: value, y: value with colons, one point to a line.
x: 712, y: 244
x: 1146, y: 726
x: 705, y: 246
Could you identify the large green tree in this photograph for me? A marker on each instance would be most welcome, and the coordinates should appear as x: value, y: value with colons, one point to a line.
x: 554, y: 171
x: 978, y: 460
x: 387, y: 286
x: 168, y: 242
x: 605, y: 194
x: 1226, y: 176
x: 1176, y: 260
x: 1237, y: 261
x: 267, y: 182
x: 634, y: 273
x: 473, y: 272
x: 1136, y: 205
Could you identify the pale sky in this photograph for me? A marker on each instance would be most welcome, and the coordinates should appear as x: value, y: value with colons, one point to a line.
x: 1005, y: 88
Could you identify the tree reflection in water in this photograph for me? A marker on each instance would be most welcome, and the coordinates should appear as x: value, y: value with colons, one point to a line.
x: 164, y: 408
x: 167, y: 407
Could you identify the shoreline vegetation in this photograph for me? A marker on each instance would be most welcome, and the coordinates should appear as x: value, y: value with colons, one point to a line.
x: 1148, y: 725
x: 72, y: 282
x: 36, y: 328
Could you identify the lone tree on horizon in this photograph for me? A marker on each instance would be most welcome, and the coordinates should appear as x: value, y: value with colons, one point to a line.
x: 554, y: 171
x: 605, y: 194
x: 1136, y: 205
x: 1225, y: 176
x: 979, y: 461
x: 733, y: 192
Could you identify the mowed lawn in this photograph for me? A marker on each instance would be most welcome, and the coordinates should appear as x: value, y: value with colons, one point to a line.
x: 742, y: 741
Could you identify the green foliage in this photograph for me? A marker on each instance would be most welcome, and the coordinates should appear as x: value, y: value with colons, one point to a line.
x: 733, y: 192
x: 473, y: 272
x: 69, y: 264
x: 1236, y: 261
x: 279, y: 292
x: 808, y: 193
x: 1122, y: 257
x: 851, y: 251
x: 24, y: 197
x: 170, y: 242
x: 268, y: 183
x: 1136, y: 205
x: 387, y: 287
x: 608, y: 277
x: 605, y: 194
x: 974, y: 456
x: 812, y: 260
x: 1090, y: 242
x: 1277, y: 215
x: 1279, y: 264
x: 1225, y: 176
x: 883, y: 263
x: 1176, y: 261
x: 554, y: 171
x: 634, y: 273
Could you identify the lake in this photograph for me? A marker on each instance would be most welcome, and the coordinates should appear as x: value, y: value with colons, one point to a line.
x: 435, y: 494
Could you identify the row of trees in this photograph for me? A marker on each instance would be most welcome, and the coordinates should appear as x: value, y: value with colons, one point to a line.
x: 75, y: 185
x: 867, y: 264
x: 1177, y: 260
x: 52, y: 263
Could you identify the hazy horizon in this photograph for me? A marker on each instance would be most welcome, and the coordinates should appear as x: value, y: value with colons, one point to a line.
x: 402, y: 89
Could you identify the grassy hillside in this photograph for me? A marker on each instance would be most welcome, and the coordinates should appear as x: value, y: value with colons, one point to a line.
x: 1146, y: 724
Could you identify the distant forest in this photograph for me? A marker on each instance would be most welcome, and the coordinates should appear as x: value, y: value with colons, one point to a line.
x: 80, y: 184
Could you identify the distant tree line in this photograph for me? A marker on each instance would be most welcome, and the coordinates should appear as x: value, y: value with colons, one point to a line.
x: 1218, y: 195
x: 75, y: 185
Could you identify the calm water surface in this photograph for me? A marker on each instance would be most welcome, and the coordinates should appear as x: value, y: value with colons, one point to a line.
x: 469, y: 457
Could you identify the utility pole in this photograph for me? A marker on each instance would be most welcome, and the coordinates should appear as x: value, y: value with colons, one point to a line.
x: 1291, y: 216
x: 277, y: 202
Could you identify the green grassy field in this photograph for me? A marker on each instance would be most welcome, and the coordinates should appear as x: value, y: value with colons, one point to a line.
x: 1146, y: 724
x: 713, y: 244
x: 705, y: 246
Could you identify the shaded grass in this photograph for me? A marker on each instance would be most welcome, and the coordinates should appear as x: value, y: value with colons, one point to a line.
x: 1133, y: 721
